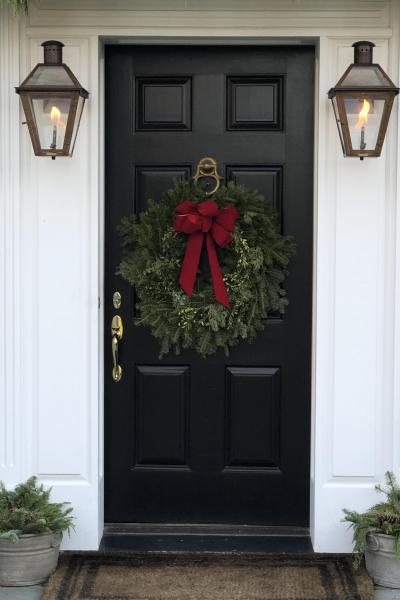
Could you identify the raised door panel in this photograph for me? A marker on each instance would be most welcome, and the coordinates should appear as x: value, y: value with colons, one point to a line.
x: 151, y: 182
x: 254, y: 102
x: 266, y: 179
x: 163, y: 103
x: 252, y: 417
x: 161, y: 416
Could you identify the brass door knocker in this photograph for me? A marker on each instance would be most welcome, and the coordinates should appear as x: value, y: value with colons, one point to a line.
x: 207, y: 167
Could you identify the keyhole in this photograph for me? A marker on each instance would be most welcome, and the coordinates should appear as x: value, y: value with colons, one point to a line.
x: 207, y: 184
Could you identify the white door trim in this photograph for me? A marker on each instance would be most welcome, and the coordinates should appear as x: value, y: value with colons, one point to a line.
x: 53, y: 412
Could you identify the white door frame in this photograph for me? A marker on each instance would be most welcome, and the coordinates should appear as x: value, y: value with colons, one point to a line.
x: 54, y: 236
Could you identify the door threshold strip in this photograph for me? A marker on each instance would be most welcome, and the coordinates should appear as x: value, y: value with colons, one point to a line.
x: 217, y: 539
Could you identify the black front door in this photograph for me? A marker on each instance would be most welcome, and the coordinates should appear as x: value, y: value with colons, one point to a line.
x: 216, y: 440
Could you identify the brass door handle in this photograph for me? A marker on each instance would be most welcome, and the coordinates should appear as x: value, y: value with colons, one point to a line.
x: 117, y: 331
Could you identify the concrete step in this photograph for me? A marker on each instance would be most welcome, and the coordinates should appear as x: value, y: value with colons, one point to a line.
x: 382, y: 593
x: 33, y: 592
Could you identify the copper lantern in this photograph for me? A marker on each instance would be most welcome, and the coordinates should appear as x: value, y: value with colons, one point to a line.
x: 362, y: 101
x: 52, y: 99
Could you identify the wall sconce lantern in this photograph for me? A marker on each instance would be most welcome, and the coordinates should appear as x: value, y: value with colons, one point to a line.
x: 362, y: 101
x: 52, y: 99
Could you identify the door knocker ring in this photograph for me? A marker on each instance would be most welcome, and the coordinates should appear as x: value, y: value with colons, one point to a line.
x: 207, y: 167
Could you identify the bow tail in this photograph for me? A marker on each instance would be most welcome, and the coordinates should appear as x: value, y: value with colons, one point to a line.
x: 190, y: 262
x: 221, y: 294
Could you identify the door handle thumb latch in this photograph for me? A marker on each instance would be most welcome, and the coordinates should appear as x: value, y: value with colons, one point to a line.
x: 117, y: 331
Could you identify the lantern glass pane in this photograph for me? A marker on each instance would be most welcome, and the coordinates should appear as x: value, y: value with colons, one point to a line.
x: 51, y: 116
x: 79, y: 109
x: 364, y: 117
x: 49, y: 75
x: 365, y: 76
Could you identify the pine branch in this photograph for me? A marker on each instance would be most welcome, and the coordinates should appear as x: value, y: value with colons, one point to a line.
x: 28, y: 510
x: 383, y: 517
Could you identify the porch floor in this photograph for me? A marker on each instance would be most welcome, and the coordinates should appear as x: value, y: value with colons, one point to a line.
x: 35, y: 593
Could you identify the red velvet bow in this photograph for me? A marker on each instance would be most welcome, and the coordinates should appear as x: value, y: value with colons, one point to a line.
x: 199, y: 220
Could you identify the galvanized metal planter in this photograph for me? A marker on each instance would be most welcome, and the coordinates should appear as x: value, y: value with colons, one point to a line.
x: 381, y: 561
x: 30, y: 560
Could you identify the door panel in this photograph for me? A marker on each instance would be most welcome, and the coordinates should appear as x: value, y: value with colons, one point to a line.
x: 267, y: 179
x: 252, y: 417
x: 222, y: 439
x: 169, y: 417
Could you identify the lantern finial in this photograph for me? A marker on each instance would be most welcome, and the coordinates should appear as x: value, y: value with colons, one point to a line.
x: 363, y: 53
x: 52, y: 51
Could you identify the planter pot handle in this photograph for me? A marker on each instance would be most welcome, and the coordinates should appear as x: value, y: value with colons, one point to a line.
x: 373, y: 542
x: 56, y: 540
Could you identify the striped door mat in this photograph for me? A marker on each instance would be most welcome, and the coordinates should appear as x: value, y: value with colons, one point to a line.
x: 223, y: 577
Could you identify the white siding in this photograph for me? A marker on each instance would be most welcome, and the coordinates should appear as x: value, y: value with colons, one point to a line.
x: 51, y: 256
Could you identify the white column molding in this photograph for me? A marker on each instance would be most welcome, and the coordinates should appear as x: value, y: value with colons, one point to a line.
x: 354, y: 313
x: 10, y: 399
x: 393, y: 418
x: 60, y: 250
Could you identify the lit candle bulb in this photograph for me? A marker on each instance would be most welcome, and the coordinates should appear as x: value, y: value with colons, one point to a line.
x: 55, y: 117
x: 362, y: 121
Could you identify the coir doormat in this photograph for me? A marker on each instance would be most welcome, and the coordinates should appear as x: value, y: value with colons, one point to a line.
x: 227, y: 577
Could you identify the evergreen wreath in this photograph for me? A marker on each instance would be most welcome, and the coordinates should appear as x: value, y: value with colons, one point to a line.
x: 253, y: 265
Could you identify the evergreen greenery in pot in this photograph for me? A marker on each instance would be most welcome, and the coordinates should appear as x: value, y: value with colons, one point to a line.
x: 30, y: 533
x: 376, y: 535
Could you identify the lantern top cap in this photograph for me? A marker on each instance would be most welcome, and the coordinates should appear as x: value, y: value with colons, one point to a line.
x: 52, y: 75
x: 52, y: 43
x: 363, y: 52
x: 52, y: 52
x: 364, y: 43
x: 363, y: 75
